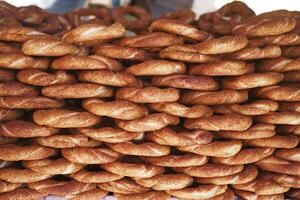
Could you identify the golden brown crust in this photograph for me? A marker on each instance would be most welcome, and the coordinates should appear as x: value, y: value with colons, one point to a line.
x: 176, y: 109
x: 284, y: 179
x: 221, y: 68
x: 21, y: 175
x: 214, y: 98
x: 166, y: 181
x: 200, y: 192
x: 118, y: 109
x: 123, y: 186
x: 20, y: 61
x: 262, y: 186
x: 186, y: 82
x: 147, y: 94
x: 167, y: 136
x: 151, y: 40
x: 258, y: 107
x: 278, y: 93
x: 39, y: 102
x: 94, y: 194
x: 17, y: 89
x: 67, y: 189
x: 249, y: 173
x: 288, y: 154
x: 25, y: 129
x: 253, y: 53
x: 156, y: 67
x: 150, y: 122
x: 62, y: 118
x: 135, y: 170
x: 8, y: 114
x: 185, y: 160
x: 13, y: 152
x: 7, y: 187
x: 251, y: 195
x: 77, y: 90
x: 67, y: 141
x: 21, y: 194
x: 288, y: 141
x: 281, y: 64
x: 253, y: 80
x: 120, y: 52
x: 211, y: 170
x: 152, y: 195
x: 260, y: 26
x: 215, y: 149
x: 84, y: 155
x: 145, y: 149
x: 106, y: 77
x: 7, y: 75
x: 85, y: 176
x: 245, y: 156
x: 19, y: 33
x: 185, y: 15
x: 178, y: 28
x: 226, y: 122
x: 47, y: 47
x: 53, y: 167
x: 99, y: 16
x: 41, y: 78
x: 110, y: 134
x: 256, y: 131
x: 6, y: 47
x: 281, y: 40
x: 225, y: 44
x: 91, y: 34
x: 285, y: 117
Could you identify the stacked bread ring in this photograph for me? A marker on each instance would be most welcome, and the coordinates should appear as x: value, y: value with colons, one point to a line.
x: 203, y: 110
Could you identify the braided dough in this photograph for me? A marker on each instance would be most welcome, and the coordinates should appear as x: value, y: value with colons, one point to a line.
x: 62, y: 118
x: 41, y: 78
x: 167, y: 136
x: 83, y: 155
x: 229, y: 122
x: 147, y: 94
x: 150, y: 122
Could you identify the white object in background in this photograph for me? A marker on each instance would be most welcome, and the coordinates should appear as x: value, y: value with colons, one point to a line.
x: 40, y: 3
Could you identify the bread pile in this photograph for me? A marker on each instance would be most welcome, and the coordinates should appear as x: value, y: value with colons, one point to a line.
x: 204, y: 109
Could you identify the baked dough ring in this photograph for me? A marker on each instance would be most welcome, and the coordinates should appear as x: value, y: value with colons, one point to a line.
x: 41, y: 78
x: 253, y: 80
x: 176, y: 109
x: 156, y: 67
x: 167, y: 136
x: 288, y: 141
x: 278, y: 93
x: 285, y: 117
x: 92, y: 62
x: 288, y: 154
x: 150, y: 149
x: 245, y: 156
x: 211, y: 170
x: 107, y: 77
x: 222, y: 68
x: 19, y: 33
x: 118, y: 109
x: 178, y: 28
x: 147, y: 94
x: 200, y: 193
x: 110, y: 134
x: 123, y: 186
x: 216, y: 149
x: 47, y: 47
x: 249, y: 173
x: 67, y: 189
x: 214, y: 98
x: 186, y: 82
x: 150, y: 122
x: 135, y: 170
x: 281, y: 40
x: 14, y: 152
x: 67, y: 141
x: 8, y: 114
x: 84, y: 155
x: 281, y: 64
x: 25, y: 129
x: 152, y: 195
x: 62, y: 118
x: 53, y: 167
x: 226, y: 122
x: 21, y: 175
x: 22, y: 193
x: 85, y: 176
x: 185, y: 160
x: 165, y: 182
x: 91, y: 34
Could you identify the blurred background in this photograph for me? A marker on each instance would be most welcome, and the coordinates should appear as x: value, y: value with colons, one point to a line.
x: 156, y: 7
